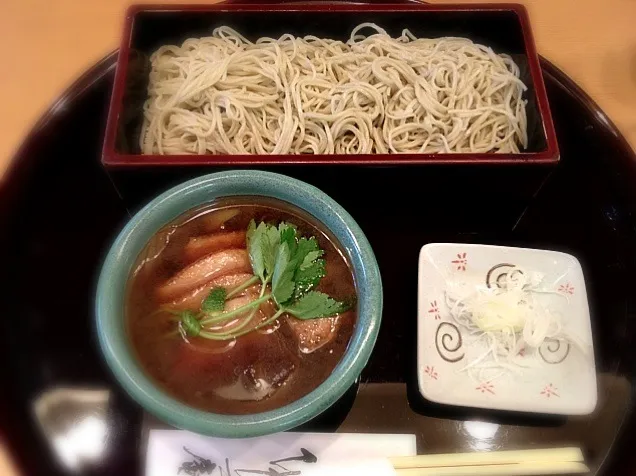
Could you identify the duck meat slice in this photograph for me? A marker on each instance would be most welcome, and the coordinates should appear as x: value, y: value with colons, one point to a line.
x: 312, y: 334
x: 205, y: 269
x: 200, y: 246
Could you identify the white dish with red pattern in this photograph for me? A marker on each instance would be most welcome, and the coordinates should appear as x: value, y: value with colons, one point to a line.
x: 562, y: 378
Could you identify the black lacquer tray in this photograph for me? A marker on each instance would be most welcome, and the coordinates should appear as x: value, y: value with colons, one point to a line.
x: 60, y: 209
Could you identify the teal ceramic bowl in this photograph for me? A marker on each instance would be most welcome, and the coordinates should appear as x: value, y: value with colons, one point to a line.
x: 111, y: 290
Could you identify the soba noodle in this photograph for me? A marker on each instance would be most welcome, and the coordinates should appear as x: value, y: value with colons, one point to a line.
x: 373, y: 94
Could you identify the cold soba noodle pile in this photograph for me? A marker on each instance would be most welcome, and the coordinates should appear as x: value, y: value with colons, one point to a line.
x: 241, y: 307
x: 373, y: 94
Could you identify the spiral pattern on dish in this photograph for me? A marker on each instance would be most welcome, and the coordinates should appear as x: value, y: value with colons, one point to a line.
x: 448, y: 341
x: 496, y: 274
x: 554, y: 351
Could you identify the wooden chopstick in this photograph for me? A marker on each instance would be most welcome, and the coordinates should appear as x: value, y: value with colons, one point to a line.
x: 511, y: 463
x: 513, y: 469
x: 570, y: 454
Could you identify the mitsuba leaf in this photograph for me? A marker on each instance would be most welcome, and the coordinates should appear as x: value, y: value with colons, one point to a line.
x: 271, y: 243
x: 308, y: 278
x: 283, y: 275
x: 310, y: 258
x: 314, y: 305
x: 304, y: 248
x: 263, y: 242
x: 251, y: 229
x: 256, y: 247
x: 288, y: 235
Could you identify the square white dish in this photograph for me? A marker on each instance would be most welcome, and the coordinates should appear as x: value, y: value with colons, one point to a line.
x: 562, y: 377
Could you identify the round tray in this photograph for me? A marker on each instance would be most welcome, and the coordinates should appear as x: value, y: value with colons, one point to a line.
x: 59, y: 211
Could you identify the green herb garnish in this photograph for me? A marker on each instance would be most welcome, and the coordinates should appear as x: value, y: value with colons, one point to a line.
x: 291, y: 265
x: 189, y: 324
x: 315, y: 304
x: 215, y: 302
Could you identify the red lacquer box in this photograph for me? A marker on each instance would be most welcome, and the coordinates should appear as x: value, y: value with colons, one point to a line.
x: 504, y: 27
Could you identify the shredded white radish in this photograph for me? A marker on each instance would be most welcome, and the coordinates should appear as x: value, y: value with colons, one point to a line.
x: 508, y: 320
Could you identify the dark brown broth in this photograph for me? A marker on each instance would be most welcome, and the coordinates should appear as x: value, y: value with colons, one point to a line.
x: 194, y: 376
